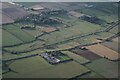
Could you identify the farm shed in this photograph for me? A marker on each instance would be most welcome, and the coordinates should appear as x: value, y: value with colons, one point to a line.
x: 36, y: 8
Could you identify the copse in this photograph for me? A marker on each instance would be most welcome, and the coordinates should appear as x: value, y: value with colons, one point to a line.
x: 38, y: 19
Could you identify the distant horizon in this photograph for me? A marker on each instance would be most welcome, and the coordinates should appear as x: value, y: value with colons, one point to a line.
x: 60, y: 0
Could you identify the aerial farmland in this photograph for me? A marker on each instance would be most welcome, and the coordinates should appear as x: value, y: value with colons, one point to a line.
x: 60, y: 40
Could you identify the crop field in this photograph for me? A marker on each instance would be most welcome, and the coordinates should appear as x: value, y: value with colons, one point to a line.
x: 68, y: 45
x: 93, y: 38
x: 25, y: 47
x: 6, y: 19
x: 91, y: 75
x: 54, y: 6
x: 86, y: 40
x: 78, y: 29
x: 106, y: 7
x: 102, y: 15
x: 39, y: 68
x: 64, y: 58
x: 9, y: 56
x: 104, y: 35
x: 108, y: 69
x: 66, y: 18
x: 114, y: 30
x: 112, y: 45
x: 48, y: 5
x: 13, y: 11
x: 47, y: 29
x: 76, y: 57
x: 18, y: 33
x: 104, y: 51
x: 88, y: 49
x: 61, y: 5
x: 116, y: 39
x: 26, y: 4
x: 9, y: 39
x: 33, y: 32
x: 89, y: 39
x: 86, y: 53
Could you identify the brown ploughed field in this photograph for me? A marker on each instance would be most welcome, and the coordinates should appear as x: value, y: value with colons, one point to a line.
x: 104, y: 51
x: 87, y: 54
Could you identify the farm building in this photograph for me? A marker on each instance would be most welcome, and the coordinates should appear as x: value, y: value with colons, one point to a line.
x: 50, y: 58
x: 76, y: 14
x: 55, y: 57
x: 37, y: 8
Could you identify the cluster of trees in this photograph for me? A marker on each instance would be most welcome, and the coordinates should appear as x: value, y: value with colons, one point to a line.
x: 38, y: 19
x: 42, y: 18
x: 94, y: 20
x: 54, y: 12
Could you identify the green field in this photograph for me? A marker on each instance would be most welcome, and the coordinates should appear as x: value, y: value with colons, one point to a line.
x: 83, y: 41
x: 93, y: 38
x: 62, y: 35
x: 79, y: 28
x: 108, y: 69
x: 28, y: 4
x: 66, y: 19
x: 9, y: 39
x: 63, y: 58
x: 67, y: 45
x: 39, y: 68
x: 100, y: 14
x: 76, y: 57
x: 7, y: 56
x: 33, y: 32
x: 105, y: 35
x: 109, y: 7
x: 18, y: 33
x: 91, y: 75
x: 26, y: 47
x: 114, y: 30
